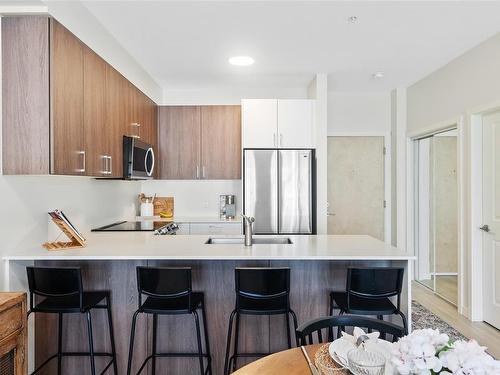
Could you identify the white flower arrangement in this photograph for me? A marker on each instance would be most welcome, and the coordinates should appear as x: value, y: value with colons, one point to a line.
x: 426, y: 352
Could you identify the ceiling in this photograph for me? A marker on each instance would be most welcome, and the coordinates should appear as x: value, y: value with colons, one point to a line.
x: 186, y: 44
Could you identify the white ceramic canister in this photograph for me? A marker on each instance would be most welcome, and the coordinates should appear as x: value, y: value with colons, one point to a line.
x: 146, y: 209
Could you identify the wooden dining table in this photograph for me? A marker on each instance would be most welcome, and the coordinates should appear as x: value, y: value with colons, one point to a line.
x: 287, y: 362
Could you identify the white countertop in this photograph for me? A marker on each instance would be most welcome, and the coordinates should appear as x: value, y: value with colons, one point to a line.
x: 145, y: 245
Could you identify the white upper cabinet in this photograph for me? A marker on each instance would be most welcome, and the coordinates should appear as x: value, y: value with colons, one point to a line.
x: 277, y: 123
x: 260, y: 123
x: 295, y: 123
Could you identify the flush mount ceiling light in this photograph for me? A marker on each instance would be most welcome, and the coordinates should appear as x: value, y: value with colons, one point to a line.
x: 241, y: 60
x: 378, y: 75
x: 352, y: 19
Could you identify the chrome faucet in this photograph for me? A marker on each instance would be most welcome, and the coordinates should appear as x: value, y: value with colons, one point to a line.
x: 249, y: 220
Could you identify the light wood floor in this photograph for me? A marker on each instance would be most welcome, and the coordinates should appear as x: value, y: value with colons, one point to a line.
x: 446, y: 286
x: 483, y: 333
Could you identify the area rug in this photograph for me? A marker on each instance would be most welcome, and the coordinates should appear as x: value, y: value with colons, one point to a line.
x: 423, y: 318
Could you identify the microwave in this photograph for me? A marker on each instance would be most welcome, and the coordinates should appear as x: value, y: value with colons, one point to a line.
x: 138, y: 159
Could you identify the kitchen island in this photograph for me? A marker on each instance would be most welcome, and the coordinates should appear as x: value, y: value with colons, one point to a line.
x: 318, y: 265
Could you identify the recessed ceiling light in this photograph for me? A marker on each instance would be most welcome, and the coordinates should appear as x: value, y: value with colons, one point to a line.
x: 378, y: 75
x: 241, y: 60
x: 352, y: 19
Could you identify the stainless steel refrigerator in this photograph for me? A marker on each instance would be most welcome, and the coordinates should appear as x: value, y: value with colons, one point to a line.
x: 279, y: 190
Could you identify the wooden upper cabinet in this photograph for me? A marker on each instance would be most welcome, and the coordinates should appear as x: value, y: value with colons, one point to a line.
x: 153, y: 110
x: 221, y: 142
x: 200, y: 142
x: 179, y: 142
x: 116, y: 118
x: 149, y: 124
x: 97, y: 137
x: 25, y: 95
x: 132, y: 126
x: 67, y: 130
x: 142, y: 116
x: 64, y: 109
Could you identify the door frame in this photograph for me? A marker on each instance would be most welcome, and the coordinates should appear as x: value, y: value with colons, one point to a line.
x: 476, y: 207
x: 453, y: 123
x: 387, y: 173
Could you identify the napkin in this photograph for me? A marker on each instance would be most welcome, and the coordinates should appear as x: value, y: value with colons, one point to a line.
x: 340, y: 350
x: 357, y: 332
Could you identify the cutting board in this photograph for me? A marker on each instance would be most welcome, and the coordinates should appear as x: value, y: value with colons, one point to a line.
x: 165, y: 205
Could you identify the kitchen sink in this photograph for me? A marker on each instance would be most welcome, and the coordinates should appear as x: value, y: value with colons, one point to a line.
x: 255, y: 241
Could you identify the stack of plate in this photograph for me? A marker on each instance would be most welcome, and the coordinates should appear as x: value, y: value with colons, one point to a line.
x: 339, y: 348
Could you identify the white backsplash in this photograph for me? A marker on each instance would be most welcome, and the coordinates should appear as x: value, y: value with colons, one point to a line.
x: 195, y: 197
x: 88, y: 203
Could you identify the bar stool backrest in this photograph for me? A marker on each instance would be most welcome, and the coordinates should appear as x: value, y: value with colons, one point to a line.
x: 262, y: 283
x: 164, y: 282
x: 55, y: 282
x: 374, y: 282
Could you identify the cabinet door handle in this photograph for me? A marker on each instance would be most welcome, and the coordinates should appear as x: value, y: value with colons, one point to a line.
x: 203, y: 172
x: 110, y: 170
x: 107, y: 164
x: 104, y: 159
x: 281, y: 140
x: 82, y: 170
x: 197, y: 171
x: 136, y: 124
x: 274, y: 139
x: 134, y: 136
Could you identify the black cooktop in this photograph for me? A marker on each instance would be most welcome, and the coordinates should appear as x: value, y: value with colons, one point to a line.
x: 130, y: 226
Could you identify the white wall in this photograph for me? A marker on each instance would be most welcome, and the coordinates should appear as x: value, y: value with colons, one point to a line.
x: 195, y: 198
x: 359, y: 112
x: 228, y: 96
x: 467, y: 82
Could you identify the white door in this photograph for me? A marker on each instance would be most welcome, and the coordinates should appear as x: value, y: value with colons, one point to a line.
x: 356, y: 186
x: 259, y: 118
x: 491, y: 219
x: 295, y: 123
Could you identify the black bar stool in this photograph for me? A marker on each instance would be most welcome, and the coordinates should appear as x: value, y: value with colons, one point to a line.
x: 259, y: 291
x: 168, y: 291
x: 63, y: 293
x: 368, y: 291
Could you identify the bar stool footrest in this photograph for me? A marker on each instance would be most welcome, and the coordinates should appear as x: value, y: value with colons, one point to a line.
x: 172, y: 355
x: 76, y: 354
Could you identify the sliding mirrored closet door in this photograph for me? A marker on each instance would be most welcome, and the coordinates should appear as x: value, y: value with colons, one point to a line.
x: 436, y: 213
